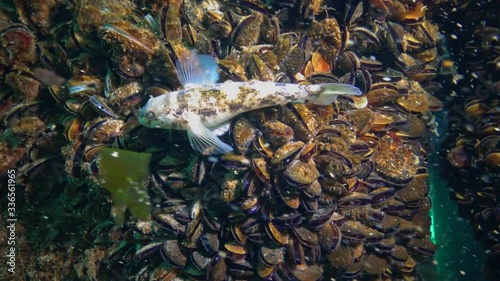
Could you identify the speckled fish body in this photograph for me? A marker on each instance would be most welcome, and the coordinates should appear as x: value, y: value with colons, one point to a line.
x: 204, y: 106
x: 221, y: 102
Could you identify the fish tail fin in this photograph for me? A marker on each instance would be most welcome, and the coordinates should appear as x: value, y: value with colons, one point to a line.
x: 325, y: 94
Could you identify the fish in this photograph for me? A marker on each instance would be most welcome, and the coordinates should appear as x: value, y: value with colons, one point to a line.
x: 204, y: 107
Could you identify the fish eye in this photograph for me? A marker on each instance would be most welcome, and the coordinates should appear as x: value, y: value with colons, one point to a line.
x: 150, y: 115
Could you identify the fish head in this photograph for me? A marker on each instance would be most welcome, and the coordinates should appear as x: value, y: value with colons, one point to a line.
x: 157, y: 114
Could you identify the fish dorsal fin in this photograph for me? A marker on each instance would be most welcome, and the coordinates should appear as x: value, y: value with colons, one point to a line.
x: 195, y: 70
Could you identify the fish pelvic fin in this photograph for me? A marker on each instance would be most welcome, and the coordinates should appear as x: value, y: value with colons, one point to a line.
x: 325, y: 94
x: 203, y: 139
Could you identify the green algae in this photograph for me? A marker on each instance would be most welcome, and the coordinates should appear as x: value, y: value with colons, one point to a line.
x: 125, y: 175
x: 10, y: 139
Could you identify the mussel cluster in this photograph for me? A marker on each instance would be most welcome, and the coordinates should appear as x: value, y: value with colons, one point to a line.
x: 27, y: 142
x: 475, y: 155
x: 310, y: 192
x: 307, y: 195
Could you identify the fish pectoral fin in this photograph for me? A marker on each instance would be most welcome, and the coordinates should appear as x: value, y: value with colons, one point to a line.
x: 221, y: 129
x: 205, y: 141
x: 195, y: 70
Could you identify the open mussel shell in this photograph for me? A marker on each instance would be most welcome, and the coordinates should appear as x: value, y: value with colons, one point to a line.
x: 264, y: 271
x: 475, y: 108
x: 262, y: 171
x: 354, y: 270
x: 409, y: 65
x: 342, y: 123
x: 301, y: 174
x: 147, y: 250
x: 320, y: 77
x: 382, y: 122
x: 169, y: 222
x: 172, y: 253
x: 241, y: 269
x: 425, y: 75
x: 382, y: 93
x: 97, y: 105
x: 286, y: 154
x: 413, y: 129
x: 155, y: 91
x: 366, y: 168
x: 361, y: 149
x: 422, y: 247
x: 276, y: 235
x: 103, y: 130
x: 322, y: 215
x: 200, y: 262
x: 305, y: 236
x: 271, y: 255
x: 399, y: 119
x: 128, y: 69
x: 235, y: 251
x: 329, y: 236
x: 381, y: 195
x: 354, y: 10
x: 492, y: 159
x: 327, y: 159
x: 341, y: 258
x: 351, y: 232
x: 16, y: 113
x: 19, y: 42
x: 399, y: 254
x: 82, y: 87
x: 293, y: 61
x: 210, y: 242
x: 388, y: 225
x: 308, y: 152
x: 365, y: 41
x: 362, y: 119
x: 487, y: 144
x: 353, y: 200
x: 413, y: 103
x: 393, y: 34
x: 246, y: 33
x: 396, y: 181
x: 261, y: 145
x: 235, y: 161
x: 217, y: 269
x: 288, y: 220
x: 326, y: 133
x: 356, y: 102
x: 389, y: 75
x: 73, y: 128
x: 370, y: 64
x: 347, y: 64
x: 285, y: 195
x: 221, y: 28
x: 277, y: 132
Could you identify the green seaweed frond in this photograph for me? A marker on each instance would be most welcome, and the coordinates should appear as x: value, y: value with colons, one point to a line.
x: 125, y: 175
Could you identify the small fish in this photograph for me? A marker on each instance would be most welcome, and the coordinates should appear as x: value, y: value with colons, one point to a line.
x: 204, y: 107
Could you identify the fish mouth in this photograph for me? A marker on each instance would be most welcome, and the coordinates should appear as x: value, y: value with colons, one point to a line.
x: 142, y: 118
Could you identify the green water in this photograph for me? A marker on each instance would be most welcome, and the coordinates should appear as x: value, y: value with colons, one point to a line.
x: 459, y: 257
